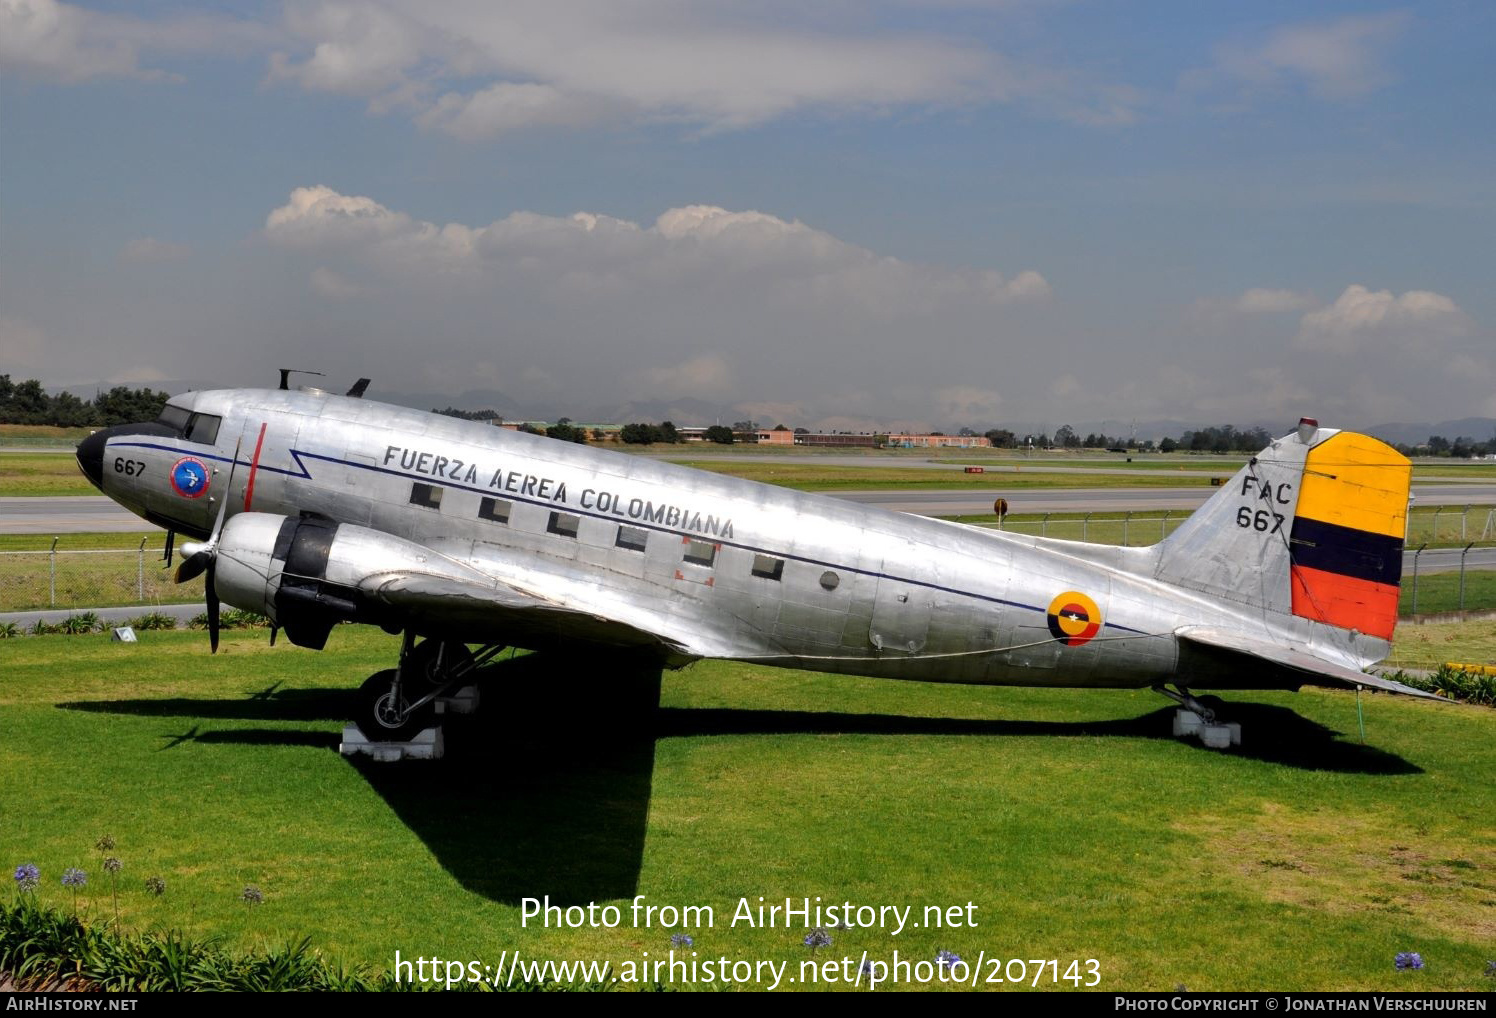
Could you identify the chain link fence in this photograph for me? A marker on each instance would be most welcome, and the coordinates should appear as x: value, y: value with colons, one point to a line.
x: 90, y: 578
x: 64, y: 578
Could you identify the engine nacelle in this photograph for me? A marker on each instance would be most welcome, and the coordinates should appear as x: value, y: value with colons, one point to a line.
x: 303, y: 572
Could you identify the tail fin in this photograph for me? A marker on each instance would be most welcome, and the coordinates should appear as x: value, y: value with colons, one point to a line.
x: 1312, y: 526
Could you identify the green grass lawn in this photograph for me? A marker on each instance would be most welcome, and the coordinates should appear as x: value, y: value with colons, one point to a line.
x: 21, y: 436
x: 1069, y: 818
x: 42, y: 473
x: 1430, y: 644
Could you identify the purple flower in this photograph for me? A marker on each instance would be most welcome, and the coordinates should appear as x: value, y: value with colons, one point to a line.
x: 74, y: 877
x: 947, y: 959
x: 155, y: 885
x: 682, y: 940
x: 252, y: 895
x: 27, y: 876
x: 817, y: 938
x: 1408, y: 960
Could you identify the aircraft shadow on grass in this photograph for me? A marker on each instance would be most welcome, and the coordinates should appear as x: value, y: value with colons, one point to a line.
x: 547, y: 788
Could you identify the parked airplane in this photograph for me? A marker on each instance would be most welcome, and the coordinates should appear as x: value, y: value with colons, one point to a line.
x: 319, y: 509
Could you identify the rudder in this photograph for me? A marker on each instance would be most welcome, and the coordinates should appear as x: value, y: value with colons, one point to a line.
x: 1312, y: 526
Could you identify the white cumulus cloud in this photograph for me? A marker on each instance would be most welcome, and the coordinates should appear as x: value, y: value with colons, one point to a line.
x: 590, y: 255
x: 63, y: 42
x: 1338, y: 59
x: 1360, y: 316
x: 478, y: 70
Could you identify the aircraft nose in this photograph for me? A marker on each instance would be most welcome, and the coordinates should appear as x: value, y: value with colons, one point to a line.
x: 91, y: 457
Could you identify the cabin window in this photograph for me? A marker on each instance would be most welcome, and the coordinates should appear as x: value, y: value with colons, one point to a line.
x: 829, y: 580
x: 631, y: 538
x: 428, y: 495
x: 701, y: 553
x: 767, y: 566
x: 495, y: 509
x: 203, y: 428
x: 563, y: 524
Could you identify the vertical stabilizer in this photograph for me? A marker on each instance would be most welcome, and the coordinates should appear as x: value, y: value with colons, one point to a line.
x: 1312, y: 526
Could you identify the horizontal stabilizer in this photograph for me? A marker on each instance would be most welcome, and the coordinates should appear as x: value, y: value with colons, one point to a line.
x: 1316, y: 670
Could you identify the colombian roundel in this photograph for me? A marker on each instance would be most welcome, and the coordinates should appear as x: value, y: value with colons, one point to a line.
x: 1074, y: 618
x: 189, y: 478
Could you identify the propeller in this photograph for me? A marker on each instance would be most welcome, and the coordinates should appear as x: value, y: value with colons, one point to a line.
x: 199, y: 557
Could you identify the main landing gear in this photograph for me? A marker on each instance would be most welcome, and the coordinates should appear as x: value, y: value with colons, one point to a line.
x: 1194, y: 718
x: 397, y: 704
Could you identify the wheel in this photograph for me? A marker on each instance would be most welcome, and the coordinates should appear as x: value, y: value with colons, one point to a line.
x: 379, y: 717
x: 420, y: 667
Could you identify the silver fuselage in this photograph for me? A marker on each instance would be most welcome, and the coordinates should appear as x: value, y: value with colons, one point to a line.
x: 791, y: 579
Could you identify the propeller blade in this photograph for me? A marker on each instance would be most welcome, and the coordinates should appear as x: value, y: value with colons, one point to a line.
x: 223, y: 504
x: 212, y: 592
x: 193, y: 564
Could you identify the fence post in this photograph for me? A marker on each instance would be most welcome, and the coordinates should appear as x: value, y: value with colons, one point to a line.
x: 1163, y: 526
x: 52, y: 575
x: 1085, y: 528
x: 1044, y: 526
x: 1126, y: 518
x: 1437, y: 510
x: 140, y: 570
x: 1462, y: 573
x: 1416, y: 553
x: 1490, y: 519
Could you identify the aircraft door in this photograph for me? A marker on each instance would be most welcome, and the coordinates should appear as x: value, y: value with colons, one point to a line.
x: 267, y: 476
x: 902, y: 608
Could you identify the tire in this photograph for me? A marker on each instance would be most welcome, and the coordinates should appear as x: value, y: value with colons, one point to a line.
x: 421, y: 667
x: 375, y: 718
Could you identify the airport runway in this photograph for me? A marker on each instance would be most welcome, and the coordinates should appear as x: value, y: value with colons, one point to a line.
x: 70, y: 514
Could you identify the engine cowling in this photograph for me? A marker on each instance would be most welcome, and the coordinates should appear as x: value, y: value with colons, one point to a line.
x: 303, y: 573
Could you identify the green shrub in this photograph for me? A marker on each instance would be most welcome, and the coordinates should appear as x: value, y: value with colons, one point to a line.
x: 233, y: 618
x: 152, y: 620
x: 75, y: 625
x: 43, y: 947
x: 1452, y: 684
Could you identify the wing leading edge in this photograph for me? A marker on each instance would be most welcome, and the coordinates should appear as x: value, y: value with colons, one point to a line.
x: 437, y: 603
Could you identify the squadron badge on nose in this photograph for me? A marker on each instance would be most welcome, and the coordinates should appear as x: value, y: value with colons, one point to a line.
x: 189, y: 477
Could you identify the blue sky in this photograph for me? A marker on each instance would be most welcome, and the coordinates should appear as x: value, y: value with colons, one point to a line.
x: 937, y: 213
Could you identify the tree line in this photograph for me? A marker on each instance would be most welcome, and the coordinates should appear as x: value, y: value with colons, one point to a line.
x: 1219, y: 440
x: 28, y: 403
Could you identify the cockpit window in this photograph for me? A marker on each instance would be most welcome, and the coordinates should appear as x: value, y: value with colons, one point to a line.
x: 201, y: 428
x: 174, y: 417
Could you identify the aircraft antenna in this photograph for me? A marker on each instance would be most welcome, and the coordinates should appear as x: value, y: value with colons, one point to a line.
x: 286, y: 374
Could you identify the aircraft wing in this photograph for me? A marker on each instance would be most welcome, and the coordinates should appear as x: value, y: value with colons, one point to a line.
x: 437, y: 603
x: 1315, y: 670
